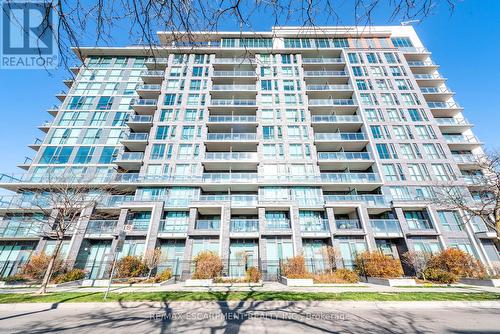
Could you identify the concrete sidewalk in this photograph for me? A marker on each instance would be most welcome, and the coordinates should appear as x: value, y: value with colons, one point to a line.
x: 269, y: 286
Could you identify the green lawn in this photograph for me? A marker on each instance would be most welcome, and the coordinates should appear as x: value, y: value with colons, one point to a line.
x: 74, y: 297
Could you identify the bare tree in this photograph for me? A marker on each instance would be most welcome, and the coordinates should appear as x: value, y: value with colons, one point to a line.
x: 485, y: 204
x: 152, y: 259
x: 62, y: 202
x: 97, y: 22
x: 331, y: 255
x: 418, y: 261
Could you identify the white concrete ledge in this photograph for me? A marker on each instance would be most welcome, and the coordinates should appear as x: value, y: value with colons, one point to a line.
x: 493, y: 282
x: 391, y: 281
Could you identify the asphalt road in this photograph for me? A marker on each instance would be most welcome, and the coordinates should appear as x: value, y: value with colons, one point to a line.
x: 259, y: 317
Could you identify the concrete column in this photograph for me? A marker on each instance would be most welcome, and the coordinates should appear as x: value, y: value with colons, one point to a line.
x: 78, y: 236
x: 119, y: 227
x: 332, y: 225
x: 186, y: 262
x: 224, y: 240
x: 365, y: 222
x: 296, y: 233
x: 193, y: 213
x: 154, y: 226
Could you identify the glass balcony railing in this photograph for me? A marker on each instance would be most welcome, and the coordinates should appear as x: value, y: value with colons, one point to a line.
x: 387, y: 227
x: 465, y: 139
x: 244, y: 200
x: 344, y: 156
x: 101, y: 227
x: 343, y: 136
x: 234, y: 87
x: 244, y: 225
x: 418, y: 224
x: 329, y: 87
x: 156, y: 60
x: 434, y: 90
x: 350, y: 177
x: 232, y: 102
x: 348, y: 224
x: 150, y: 87
x: 238, y: 156
x: 428, y: 76
x: 207, y: 224
x: 232, y: 119
x: 137, y: 136
x: 19, y: 229
x: 278, y: 225
x: 234, y: 74
x: 443, y: 105
x: 474, y: 179
x: 452, y: 121
x: 229, y: 177
x: 131, y: 156
x: 331, y: 102
x: 325, y: 73
x: 139, y: 224
x: 144, y: 102
x: 322, y: 60
x: 140, y: 119
x: 411, y: 49
x: 314, y: 225
x: 152, y: 73
x: 465, y: 158
x: 234, y: 61
x: 370, y: 200
x: 231, y: 136
x: 169, y: 226
x: 420, y: 63
x: 336, y: 119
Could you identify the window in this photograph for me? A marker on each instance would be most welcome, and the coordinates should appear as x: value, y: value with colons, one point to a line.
x: 266, y: 85
x: 376, y: 131
x: 195, y: 85
x: 407, y: 151
x: 361, y: 84
x: 401, y: 84
x: 288, y: 85
x: 104, y: 103
x: 450, y: 220
x: 197, y: 71
x: 389, y: 57
x: 372, y: 59
x: 169, y: 99
x: 162, y: 132
x: 422, y: 132
x: 399, y: 132
x: 120, y: 118
x: 114, y: 136
x: 390, y: 172
x: 56, y: 155
x: 187, y: 133
x: 92, y: 136
x: 415, y: 115
x: 353, y: 58
x: 401, y: 42
x: 190, y: 115
x: 296, y: 151
x: 358, y: 72
x: 440, y: 172
x: 431, y: 151
x: 340, y: 43
x: 108, y: 155
x: 74, y: 118
x: 158, y: 151
x: 383, y: 151
x: 84, y: 155
x: 415, y: 172
x: 462, y: 244
x: 268, y: 132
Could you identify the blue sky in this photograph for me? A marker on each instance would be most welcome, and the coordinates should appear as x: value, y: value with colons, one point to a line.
x: 465, y: 44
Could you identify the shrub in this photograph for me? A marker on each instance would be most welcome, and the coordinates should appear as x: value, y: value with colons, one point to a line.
x: 72, y: 275
x: 207, y: 265
x: 376, y: 264
x: 14, y: 279
x: 295, y: 267
x: 253, y: 275
x: 37, y: 265
x: 339, y: 276
x: 440, y: 276
x: 165, y: 275
x: 458, y: 263
x: 130, y: 266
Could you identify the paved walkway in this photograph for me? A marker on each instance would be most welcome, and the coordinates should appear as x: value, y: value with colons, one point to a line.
x: 269, y: 286
x: 256, y: 317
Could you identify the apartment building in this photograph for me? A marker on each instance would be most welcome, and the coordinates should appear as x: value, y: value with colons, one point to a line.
x: 258, y: 146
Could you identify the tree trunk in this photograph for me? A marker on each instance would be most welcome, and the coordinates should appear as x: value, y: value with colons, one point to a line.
x: 497, y: 224
x: 150, y: 271
x: 50, y: 267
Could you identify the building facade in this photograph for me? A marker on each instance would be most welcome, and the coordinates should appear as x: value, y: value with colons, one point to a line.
x: 258, y: 146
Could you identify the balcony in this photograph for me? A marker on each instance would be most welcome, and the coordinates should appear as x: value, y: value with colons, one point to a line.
x: 422, y: 63
x: 61, y: 95
x: 343, y: 160
x: 462, y: 142
x: 467, y: 159
x: 26, y: 164
x: 36, y: 144
x: 45, y: 126
x: 386, y: 228
x: 171, y: 227
x: 350, y: 178
x: 348, y: 225
x: 418, y: 226
x: 140, y: 122
x: 152, y: 77
x: 149, y: 91
x: 234, y: 88
x: 351, y: 141
x: 331, y: 102
x: 233, y: 103
x: 231, y: 156
x: 101, y: 228
x: 477, y: 180
x: 332, y: 88
x: 325, y: 74
x: 138, y: 225
x: 229, y: 178
x: 453, y: 125
x: 232, y: 74
x: 435, y: 90
x: 234, y: 61
x: 232, y: 119
x: 53, y: 110
x: 429, y: 78
x: 156, y: 63
x: 244, y: 225
x: 336, y: 119
x: 136, y: 141
x: 244, y: 200
x: 144, y: 106
x: 207, y: 225
x: 14, y: 229
x: 444, y: 109
x: 278, y: 225
x: 323, y: 61
x: 373, y: 201
x: 314, y: 226
x: 130, y: 160
x: 225, y: 137
x: 230, y: 160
